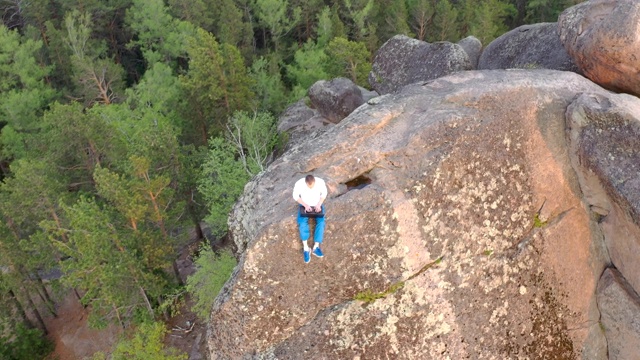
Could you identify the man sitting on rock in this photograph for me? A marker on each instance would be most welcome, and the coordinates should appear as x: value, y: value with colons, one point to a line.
x: 310, y: 193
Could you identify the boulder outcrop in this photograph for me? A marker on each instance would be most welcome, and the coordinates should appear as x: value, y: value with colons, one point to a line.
x: 605, y: 151
x: 403, y: 60
x: 298, y: 120
x: 368, y: 94
x: 534, y: 46
x: 336, y: 98
x: 602, y: 38
x: 473, y: 47
x: 620, y: 315
x: 455, y: 229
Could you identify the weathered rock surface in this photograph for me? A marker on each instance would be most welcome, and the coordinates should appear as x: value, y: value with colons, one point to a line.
x: 368, y: 94
x: 602, y: 38
x: 473, y: 47
x: 605, y: 148
x: 620, y: 315
x: 335, y: 99
x: 298, y: 120
x: 403, y: 60
x: 534, y: 46
x: 454, y: 174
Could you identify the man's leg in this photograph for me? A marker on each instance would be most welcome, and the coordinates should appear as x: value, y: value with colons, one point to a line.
x: 318, y: 236
x: 303, y: 227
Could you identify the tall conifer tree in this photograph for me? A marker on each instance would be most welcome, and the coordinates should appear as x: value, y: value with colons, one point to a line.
x: 98, y: 79
x: 420, y: 17
x: 217, y: 84
x: 24, y: 93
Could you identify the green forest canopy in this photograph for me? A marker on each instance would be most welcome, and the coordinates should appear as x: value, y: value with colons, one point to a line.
x: 120, y: 124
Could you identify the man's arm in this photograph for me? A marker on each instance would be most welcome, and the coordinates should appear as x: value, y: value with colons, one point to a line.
x: 307, y: 208
x: 297, y: 196
x: 318, y: 207
x: 323, y: 196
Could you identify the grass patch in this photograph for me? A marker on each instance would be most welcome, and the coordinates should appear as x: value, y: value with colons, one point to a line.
x: 369, y: 296
x: 531, y: 66
x: 538, y: 223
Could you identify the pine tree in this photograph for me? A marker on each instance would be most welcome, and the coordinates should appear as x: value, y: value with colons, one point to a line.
x: 28, y: 251
x: 326, y: 29
x: 32, y: 194
x: 103, y: 261
x: 159, y: 36
x: 308, y: 67
x: 278, y: 18
x: 421, y: 17
x: 199, y: 13
x: 147, y: 344
x: 221, y: 183
x: 212, y: 271
x: 216, y: 85
x: 338, y: 27
x: 148, y: 203
x: 348, y: 59
x: 271, y: 93
x: 230, y: 28
x: 360, y: 15
x: 158, y: 93
x: 155, y: 129
x: 445, y: 22
x: 240, y: 31
x: 538, y: 11
x: 59, y: 55
x: 74, y: 142
x: 24, y: 93
x: 309, y: 10
x: 23, y: 251
x: 392, y: 19
x: 97, y: 77
x: 485, y: 19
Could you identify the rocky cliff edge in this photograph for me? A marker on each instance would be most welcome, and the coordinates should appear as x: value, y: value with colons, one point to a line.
x: 456, y: 228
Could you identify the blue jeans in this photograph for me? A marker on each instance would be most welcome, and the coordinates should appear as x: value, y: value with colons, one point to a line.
x: 303, y: 226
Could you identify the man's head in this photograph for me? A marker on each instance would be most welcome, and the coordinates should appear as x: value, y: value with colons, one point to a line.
x: 310, y: 180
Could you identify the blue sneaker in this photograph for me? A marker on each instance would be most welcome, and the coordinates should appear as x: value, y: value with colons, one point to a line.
x: 317, y: 252
x: 307, y: 256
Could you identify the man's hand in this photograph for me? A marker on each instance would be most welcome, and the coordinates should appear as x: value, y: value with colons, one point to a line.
x: 308, y: 208
x: 317, y: 208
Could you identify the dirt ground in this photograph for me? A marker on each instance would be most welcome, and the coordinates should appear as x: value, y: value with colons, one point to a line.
x: 187, y: 333
x: 71, y: 334
x: 75, y: 340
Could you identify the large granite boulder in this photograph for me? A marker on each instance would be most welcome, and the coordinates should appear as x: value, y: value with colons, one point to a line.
x: 602, y: 37
x: 368, y: 94
x: 335, y: 99
x: 455, y: 229
x: 403, y: 60
x: 620, y: 316
x: 298, y: 120
x: 605, y: 149
x: 534, y: 46
x: 473, y: 47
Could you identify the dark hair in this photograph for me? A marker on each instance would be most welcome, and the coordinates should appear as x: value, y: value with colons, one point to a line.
x: 309, y: 179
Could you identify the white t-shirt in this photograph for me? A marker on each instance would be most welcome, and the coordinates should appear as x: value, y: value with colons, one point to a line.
x: 310, y: 196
